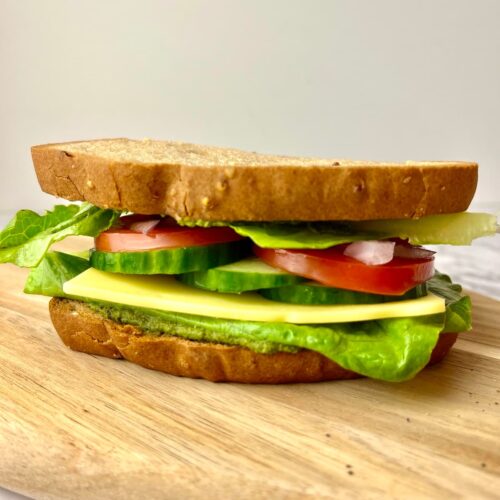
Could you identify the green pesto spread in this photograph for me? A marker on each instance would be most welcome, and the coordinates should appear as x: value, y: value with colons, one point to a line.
x: 198, y: 328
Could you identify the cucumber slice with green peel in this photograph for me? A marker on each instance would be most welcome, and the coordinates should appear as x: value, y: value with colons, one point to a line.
x: 170, y: 260
x: 315, y: 293
x: 242, y: 276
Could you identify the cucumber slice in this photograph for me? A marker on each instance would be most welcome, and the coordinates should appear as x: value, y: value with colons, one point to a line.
x: 169, y: 261
x: 312, y: 292
x: 241, y: 276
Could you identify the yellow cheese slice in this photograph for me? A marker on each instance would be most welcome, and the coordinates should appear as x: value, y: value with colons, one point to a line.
x: 167, y: 294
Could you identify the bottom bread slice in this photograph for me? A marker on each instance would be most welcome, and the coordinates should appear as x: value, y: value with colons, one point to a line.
x: 85, y: 330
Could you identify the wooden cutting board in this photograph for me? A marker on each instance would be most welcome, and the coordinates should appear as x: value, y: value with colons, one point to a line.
x: 79, y: 426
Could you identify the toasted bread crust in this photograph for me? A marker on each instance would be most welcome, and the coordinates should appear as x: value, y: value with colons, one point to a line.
x: 84, y: 330
x: 198, y: 182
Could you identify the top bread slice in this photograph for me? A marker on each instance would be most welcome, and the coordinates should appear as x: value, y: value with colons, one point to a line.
x: 209, y: 183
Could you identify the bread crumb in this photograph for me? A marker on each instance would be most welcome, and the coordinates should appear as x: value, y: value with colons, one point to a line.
x: 205, y: 201
x: 90, y: 184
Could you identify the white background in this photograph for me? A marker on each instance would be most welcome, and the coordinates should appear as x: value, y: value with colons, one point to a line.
x: 381, y: 79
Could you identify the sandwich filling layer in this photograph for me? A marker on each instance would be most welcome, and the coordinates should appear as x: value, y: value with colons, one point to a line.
x: 392, y: 349
x: 362, y: 294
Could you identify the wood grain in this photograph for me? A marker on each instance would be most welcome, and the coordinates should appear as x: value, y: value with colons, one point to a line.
x: 79, y: 426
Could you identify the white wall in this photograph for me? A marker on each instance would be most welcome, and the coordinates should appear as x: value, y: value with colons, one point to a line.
x: 376, y: 79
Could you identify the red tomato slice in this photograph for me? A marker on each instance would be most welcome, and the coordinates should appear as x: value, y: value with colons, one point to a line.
x: 331, y: 267
x: 162, y: 236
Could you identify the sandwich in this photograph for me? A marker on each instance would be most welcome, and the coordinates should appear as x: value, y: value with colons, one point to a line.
x: 233, y: 266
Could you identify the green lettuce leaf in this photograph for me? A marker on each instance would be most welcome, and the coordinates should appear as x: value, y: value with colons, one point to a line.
x: 27, y: 237
x: 26, y: 224
x: 458, y: 316
x: 317, y: 235
x: 308, y: 235
x: 446, y: 229
x: 53, y: 271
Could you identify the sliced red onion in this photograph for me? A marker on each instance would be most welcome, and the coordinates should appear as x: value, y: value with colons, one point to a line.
x: 371, y: 253
x: 145, y: 226
x: 409, y: 252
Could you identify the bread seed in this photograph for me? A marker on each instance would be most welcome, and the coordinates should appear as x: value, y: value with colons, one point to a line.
x: 406, y: 180
x: 229, y: 172
x: 90, y: 184
x: 359, y: 187
x: 205, y: 201
x: 221, y: 186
